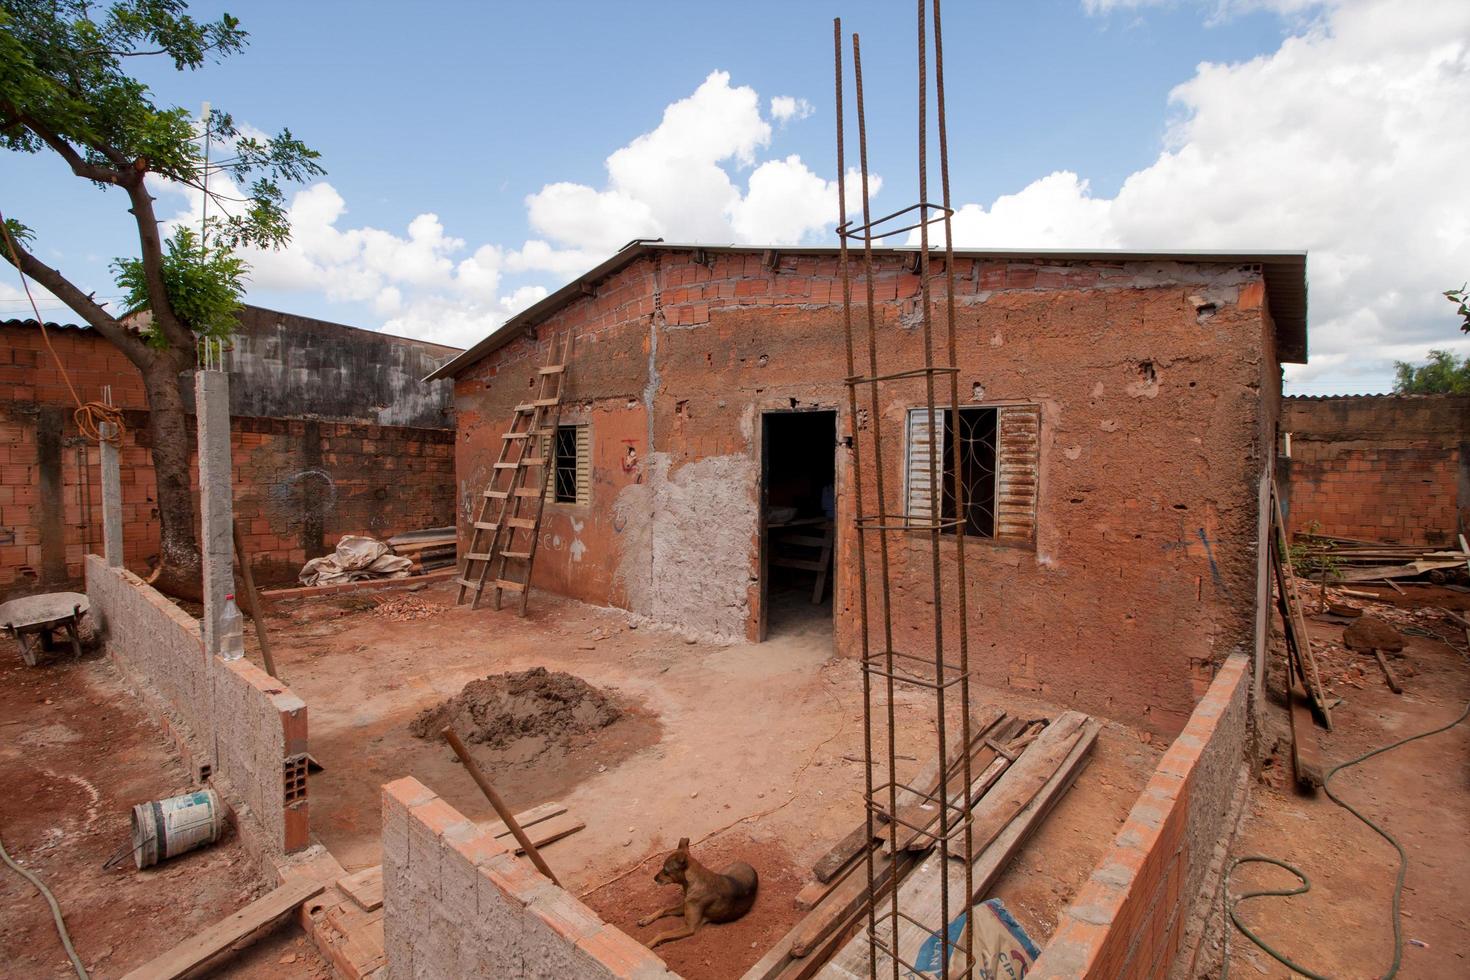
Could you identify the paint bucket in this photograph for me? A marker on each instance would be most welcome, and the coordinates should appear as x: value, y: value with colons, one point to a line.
x: 167, y: 828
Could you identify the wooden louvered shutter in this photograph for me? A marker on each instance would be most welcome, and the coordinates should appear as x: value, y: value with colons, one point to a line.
x: 584, y: 464
x: 925, y: 441
x: 1018, y: 472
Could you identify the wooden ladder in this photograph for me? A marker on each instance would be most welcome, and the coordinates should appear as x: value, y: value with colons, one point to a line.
x: 527, y: 457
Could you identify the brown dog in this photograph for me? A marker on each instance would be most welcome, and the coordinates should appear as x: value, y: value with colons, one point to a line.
x: 708, y: 897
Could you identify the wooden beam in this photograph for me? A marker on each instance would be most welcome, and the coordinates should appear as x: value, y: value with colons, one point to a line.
x: 197, y: 949
x: 1040, y: 766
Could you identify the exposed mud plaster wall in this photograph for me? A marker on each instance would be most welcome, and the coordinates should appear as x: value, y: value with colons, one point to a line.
x: 1392, y: 468
x: 1156, y: 383
x: 457, y: 903
x: 1142, y: 911
x: 244, y: 728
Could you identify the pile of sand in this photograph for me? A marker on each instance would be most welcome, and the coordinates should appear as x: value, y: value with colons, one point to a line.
x: 527, y: 712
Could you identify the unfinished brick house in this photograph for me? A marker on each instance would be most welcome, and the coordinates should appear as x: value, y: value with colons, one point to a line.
x: 1119, y: 412
x: 330, y: 425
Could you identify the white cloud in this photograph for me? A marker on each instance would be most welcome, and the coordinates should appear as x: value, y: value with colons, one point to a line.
x: 1342, y: 142
x: 1219, y: 10
x: 786, y: 108
x: 678, y: 181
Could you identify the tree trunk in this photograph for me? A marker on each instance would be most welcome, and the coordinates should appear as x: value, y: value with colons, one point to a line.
x: 180, y: 570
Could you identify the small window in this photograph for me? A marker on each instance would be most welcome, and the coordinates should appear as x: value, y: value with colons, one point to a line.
x: 999, y: 450
x: 570, y: 465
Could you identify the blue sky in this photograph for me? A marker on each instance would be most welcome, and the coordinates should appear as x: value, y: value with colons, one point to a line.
x: 455, y: 135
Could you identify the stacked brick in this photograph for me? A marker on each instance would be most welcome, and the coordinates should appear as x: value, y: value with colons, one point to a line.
x: 1133, y: 918
x: 458, y: 903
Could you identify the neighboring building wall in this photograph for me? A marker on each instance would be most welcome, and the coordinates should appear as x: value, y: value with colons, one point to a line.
x: 457, y: 903
x: 1157, y: 386
x: 240, y: 728
x: 1143, y: 910
x: 301, y: 483
x: 1391, y: 468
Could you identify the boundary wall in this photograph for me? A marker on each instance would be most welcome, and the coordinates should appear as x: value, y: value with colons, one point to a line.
x: 1143, y: 910
x: 237, y: 727
x: 458, y: 903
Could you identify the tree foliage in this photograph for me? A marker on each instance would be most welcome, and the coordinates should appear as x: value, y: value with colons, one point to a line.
x: 1444, y: 374
x: 67, y: 88
x: 1461, y: 298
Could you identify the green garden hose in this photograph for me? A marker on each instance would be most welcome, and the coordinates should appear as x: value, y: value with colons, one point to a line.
x: 76, y: 961
x: 1228, y: 907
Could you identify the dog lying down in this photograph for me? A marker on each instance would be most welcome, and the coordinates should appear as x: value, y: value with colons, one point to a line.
x: 708, y: 896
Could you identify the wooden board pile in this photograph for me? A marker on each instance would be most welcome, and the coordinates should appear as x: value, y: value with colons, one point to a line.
x: 1349, y: 561
x: 428, y: 549
x: 1019, y: 769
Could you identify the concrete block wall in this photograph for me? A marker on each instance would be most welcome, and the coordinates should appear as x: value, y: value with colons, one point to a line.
x: 457, y: 904
x: 260, y: 729
x: 158, y: 646
x: 244, y: 725
x: 1134, y: 916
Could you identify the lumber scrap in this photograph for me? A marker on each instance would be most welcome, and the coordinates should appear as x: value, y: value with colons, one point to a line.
x: 982, y: 721
x: 199, y: 948
x: 547, y: 831
x: 1298, y: 640
x: 364, y: 887
x: 526, y: 818
x: 1002, y: 821
x: 1306, y: 761
x: 1388, y: 674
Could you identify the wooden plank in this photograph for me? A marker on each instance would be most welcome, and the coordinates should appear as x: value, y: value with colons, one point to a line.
x: 1370, y: 573
x: 365, y: 887
x: 1388, y: 675
x: 529, y: 818
x: 548, y: 830
x: 1306, y: 761
x: 982, y: 721
x: 920, y: 893
x: 197, y: 949
x: 1298, y: 638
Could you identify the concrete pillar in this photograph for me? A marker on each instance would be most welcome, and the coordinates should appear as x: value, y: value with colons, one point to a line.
x: 112, y: 519
x: 216, y: 497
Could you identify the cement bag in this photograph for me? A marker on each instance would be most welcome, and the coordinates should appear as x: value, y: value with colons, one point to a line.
x: 355, y: 558
x: 1002, y: 949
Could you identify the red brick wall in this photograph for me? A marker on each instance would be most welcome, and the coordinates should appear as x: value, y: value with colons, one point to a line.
x: 1379, y: 468
x: 1156, y: 424
x: 299, y: 484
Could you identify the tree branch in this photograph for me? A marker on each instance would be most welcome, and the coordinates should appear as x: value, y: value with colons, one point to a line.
x: 79, y: 166
x: 82, y: 304
x: 150, y: 244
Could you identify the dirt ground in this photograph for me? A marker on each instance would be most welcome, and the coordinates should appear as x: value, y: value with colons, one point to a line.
x: 747, y: 750
x: 76, y: 752
x: 1419, y: 793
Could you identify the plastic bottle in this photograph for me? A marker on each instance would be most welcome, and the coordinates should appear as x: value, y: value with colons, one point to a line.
x: 231, y: 631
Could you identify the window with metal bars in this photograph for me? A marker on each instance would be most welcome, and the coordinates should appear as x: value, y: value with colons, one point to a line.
x: 565, y: 465
x: 999, y: 450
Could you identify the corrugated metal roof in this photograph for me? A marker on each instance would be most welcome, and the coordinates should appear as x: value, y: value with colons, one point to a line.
x: 1286, y: 285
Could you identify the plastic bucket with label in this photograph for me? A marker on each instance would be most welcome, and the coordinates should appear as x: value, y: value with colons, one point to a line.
x: 167, y: 828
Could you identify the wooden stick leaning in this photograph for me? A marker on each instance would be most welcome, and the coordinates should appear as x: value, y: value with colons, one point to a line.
x: 247, y: 578
x: 501, y: 809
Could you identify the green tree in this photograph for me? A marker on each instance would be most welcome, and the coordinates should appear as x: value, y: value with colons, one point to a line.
x: 1461, y: 298
x: 1444, y: 374
x: 66, y: 89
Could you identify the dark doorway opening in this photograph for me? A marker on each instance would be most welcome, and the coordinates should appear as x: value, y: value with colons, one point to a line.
x: 798, y: 521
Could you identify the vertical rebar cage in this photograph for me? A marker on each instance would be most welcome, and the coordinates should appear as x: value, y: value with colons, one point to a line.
x: 934, y: 932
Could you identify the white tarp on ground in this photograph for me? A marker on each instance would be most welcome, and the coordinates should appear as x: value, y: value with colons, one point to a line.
x: 355, y: 558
